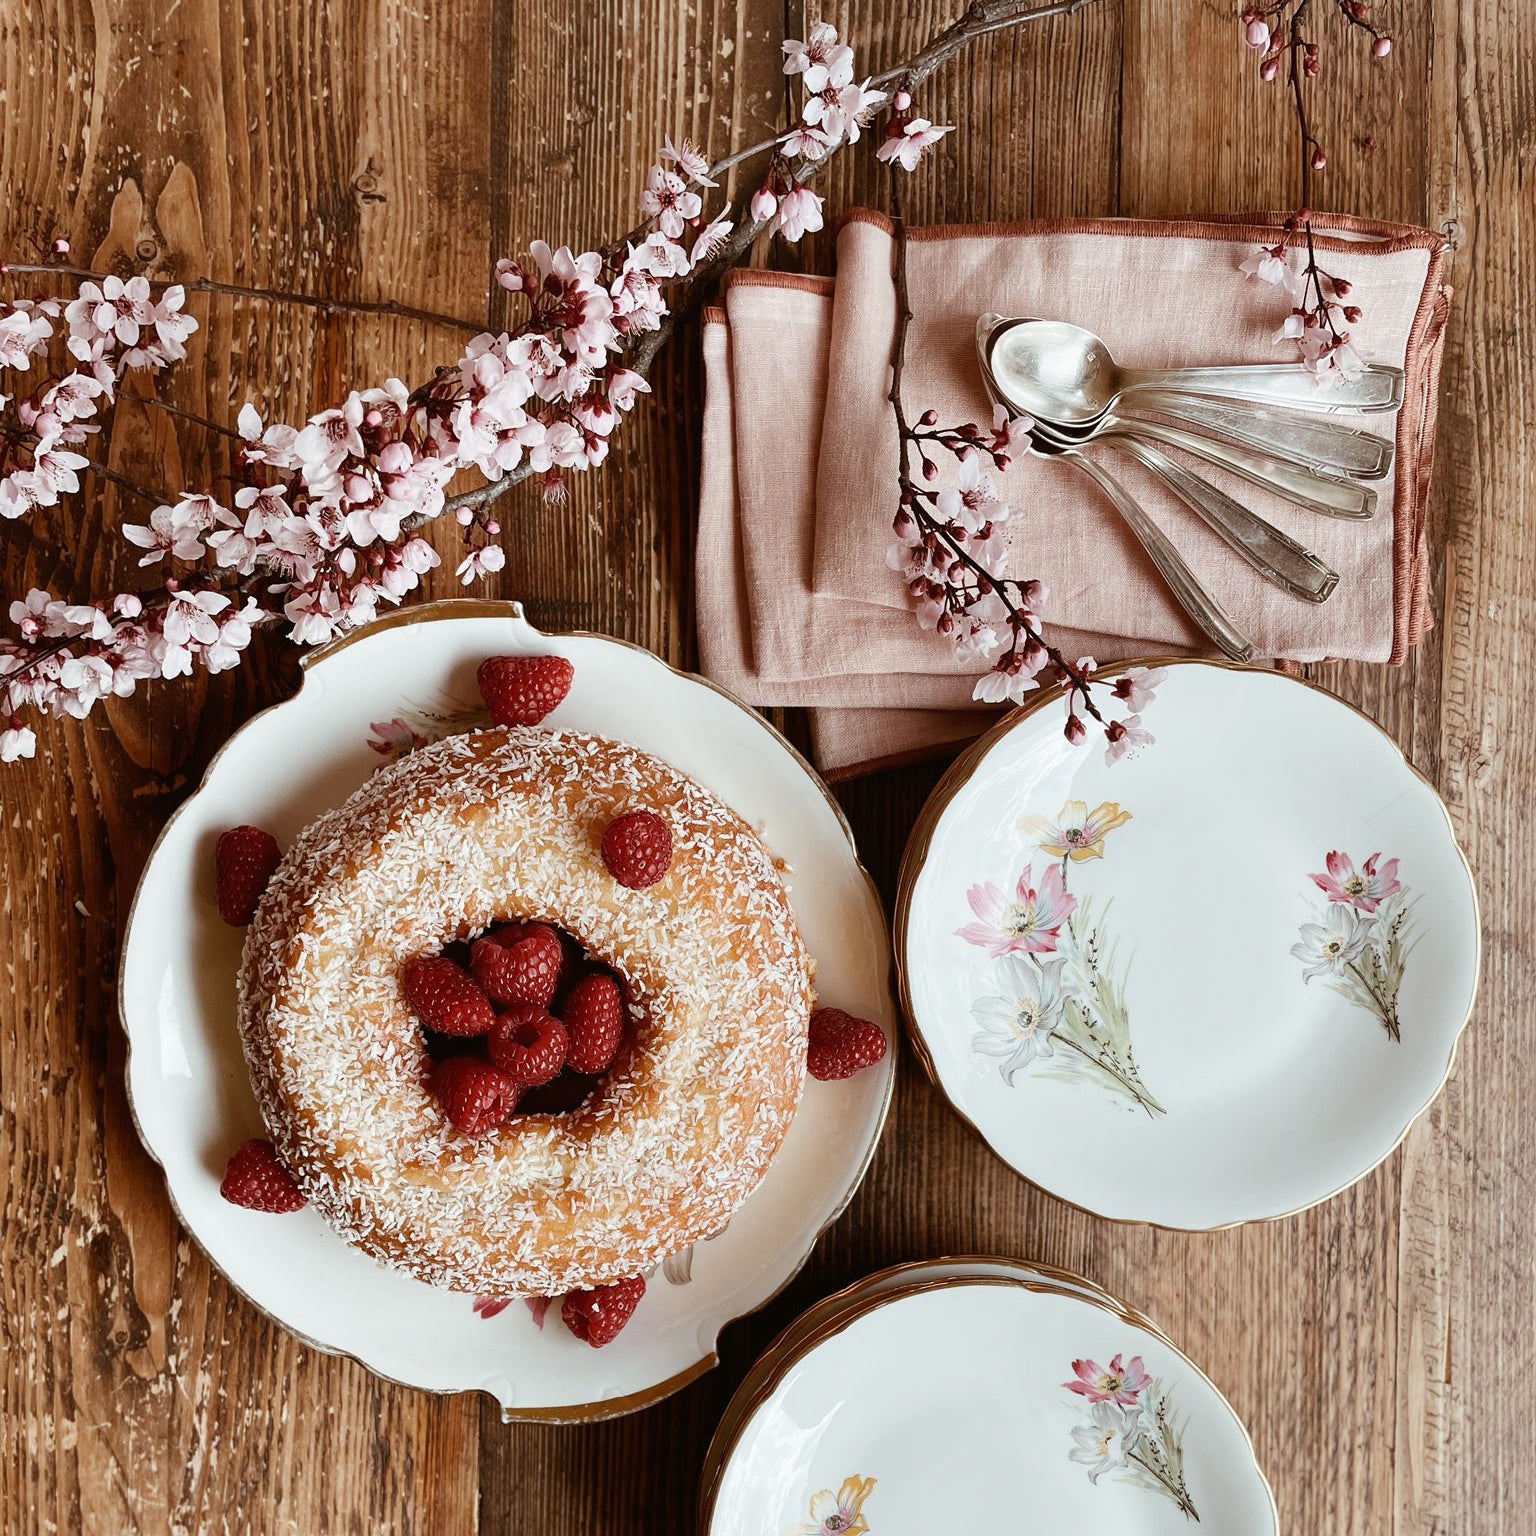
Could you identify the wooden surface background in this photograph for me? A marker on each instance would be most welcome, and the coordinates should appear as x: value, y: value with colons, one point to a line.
x: 1380, y: 1348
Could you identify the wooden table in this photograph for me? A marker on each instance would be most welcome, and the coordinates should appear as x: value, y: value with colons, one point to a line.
x: 1380, y: 1348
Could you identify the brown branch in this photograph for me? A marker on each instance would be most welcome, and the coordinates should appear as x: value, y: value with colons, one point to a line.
x: 387, y: 308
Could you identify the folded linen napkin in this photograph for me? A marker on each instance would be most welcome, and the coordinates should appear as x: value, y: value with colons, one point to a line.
x: 795, y: 603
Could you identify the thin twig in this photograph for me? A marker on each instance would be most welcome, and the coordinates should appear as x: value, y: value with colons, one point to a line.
x: 388, y: 308
x: 159, y: 498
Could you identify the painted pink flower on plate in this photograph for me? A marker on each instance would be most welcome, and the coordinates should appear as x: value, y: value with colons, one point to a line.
x: 1029, y: 924
x: 1364, y: 888
x: 1120, y: 1381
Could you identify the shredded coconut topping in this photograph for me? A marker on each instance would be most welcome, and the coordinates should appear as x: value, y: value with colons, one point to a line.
x: 505, y: 824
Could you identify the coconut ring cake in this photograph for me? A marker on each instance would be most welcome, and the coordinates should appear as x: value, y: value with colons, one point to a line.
x: 501, y: 824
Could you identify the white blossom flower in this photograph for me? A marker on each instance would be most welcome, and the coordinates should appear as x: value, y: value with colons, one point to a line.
x: 820, y: 49
x: 1267, y: 263
x: 17, y: 741
x: 175, y: 531
x: 113, y: 311
x: 971, y: 502
x: 1124, y: 736
x: 479, y: 563
x: 905, y: 142
x: 799, y: 213
x: 688, y: 159
x: 25, y: 330
x: 667, y: 199
x: 657, y: 256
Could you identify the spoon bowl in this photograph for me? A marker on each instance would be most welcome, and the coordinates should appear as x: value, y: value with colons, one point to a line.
x: 1067, y: 374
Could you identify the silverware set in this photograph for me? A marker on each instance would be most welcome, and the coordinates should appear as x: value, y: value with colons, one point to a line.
x: 1269, y: 424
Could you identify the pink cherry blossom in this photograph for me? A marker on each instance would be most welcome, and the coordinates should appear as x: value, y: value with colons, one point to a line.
x: 799, y: 213
x: 1137, y: 686
x: 668, y: 200
x: 1267, y: 264
x: 1125, y: 736
x: 690, y: 161
x: 905, y: 142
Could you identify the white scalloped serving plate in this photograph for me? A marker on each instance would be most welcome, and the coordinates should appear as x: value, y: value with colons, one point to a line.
x: 187, y: 1081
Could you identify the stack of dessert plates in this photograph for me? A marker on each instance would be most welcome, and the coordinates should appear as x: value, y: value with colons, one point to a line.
x: 375, y: 694
x: 1210, y: 982
x: 978, y: 1394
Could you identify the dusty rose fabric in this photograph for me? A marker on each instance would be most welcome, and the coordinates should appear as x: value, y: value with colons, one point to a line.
x: 795, y: 603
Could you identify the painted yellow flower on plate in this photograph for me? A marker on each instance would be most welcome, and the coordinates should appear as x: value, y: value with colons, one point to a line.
x: 1077, y: 833
x: 840, y: 1513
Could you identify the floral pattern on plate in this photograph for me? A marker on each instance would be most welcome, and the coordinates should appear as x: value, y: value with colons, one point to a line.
x: 1360, y: 940
x: 1054, y: 1002
x: 837, y: 1514
x: 1130, y: 1428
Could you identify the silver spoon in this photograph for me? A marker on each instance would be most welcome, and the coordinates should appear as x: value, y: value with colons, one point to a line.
x: 1274, y: 554
x: 1051, y: 368
x: 1313, y: 441
x: 1212, y: 619
x: 1331, y: 495
x: 1207, y: 613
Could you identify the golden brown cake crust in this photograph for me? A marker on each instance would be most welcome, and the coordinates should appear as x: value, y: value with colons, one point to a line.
x: 506, y: 823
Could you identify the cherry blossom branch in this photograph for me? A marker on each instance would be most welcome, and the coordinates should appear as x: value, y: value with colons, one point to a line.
x: 322, y: 526
x: 379, y: 308
x: 981, y: 19
x: 1279, y: 30
x: 948, y: 545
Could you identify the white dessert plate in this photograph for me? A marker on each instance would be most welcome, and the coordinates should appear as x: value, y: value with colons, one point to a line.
x: 825, y: 1316
x: 1212, y: 982
x: 408, y: 678
x: 976, y: 1402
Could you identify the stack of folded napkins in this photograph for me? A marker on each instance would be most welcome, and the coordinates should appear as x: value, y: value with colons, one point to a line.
x: 796, y: 604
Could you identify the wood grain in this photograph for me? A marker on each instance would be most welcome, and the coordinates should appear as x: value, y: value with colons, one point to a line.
x: 1378, y: 1347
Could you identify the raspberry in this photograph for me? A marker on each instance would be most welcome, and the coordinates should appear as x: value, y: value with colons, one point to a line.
x: 528, y: 1044
x: 445, y: 997
x: 258, y: 1181
x: 598, y: 1317
x: 637, y: 848
x: 474, y: 1095
x: 244, y: 860
x: 593, y: 1015
x: 842, y: 1045
x: 521, y: 690
x: 519, y: 964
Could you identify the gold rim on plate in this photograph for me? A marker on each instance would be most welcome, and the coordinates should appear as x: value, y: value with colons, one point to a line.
x: 442, y: 611
x: 733, y: 1425
x: 959, y: 774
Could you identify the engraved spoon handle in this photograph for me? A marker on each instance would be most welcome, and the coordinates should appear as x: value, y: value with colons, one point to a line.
x: 1275, y: 555
x: 1376, y: 388
x: 1331, y: 496
x: 1313, y: 441
x: 1182, y: 582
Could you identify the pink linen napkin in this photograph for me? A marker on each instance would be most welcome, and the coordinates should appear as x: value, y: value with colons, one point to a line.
x: 1162, y: 295
x: 779, y: 399
x: 879, y: 689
